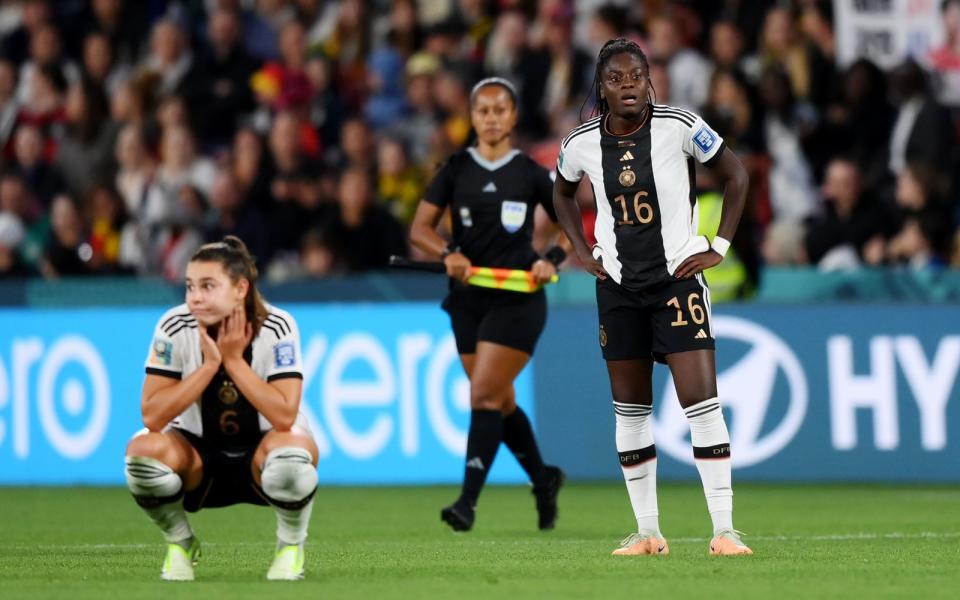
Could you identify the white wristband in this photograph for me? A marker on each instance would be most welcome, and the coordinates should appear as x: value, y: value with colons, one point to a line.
x: 720, y: 245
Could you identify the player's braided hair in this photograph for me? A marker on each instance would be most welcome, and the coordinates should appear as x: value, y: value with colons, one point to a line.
x: 238, y: 263
x: 609, y: 50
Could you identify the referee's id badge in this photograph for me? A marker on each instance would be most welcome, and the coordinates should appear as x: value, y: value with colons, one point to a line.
x: 513, y: 215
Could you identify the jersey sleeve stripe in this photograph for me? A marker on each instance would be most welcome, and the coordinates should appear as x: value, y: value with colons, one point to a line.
x: 285, y: 375
x: 174, y: 318
x: 181, y: 328
x: 674, y: 109
x: 590, y: 123
x: 280, y: 321
x: 569, y: 139
x: 164, y: 373
x: 671, y: 115
x: 178, y: 325
x: 274, y: 328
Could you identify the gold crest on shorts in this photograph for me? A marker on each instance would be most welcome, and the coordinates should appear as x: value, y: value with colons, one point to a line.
x: 603, y: 337
x: 627, y: 177
x: 228, y: 392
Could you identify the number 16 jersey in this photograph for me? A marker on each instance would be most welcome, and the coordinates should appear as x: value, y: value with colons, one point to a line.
x: 643, y: 183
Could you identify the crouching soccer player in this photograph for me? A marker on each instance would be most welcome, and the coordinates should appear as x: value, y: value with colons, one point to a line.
x: 221, y: 405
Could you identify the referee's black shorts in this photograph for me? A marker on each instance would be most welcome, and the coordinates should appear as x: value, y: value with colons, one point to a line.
x: 512, y: 319
x: 666, y: 318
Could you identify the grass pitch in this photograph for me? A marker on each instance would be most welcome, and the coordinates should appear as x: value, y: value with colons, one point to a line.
x: 837, y: 541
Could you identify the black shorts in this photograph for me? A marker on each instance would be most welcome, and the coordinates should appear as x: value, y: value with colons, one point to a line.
x: 671, y: 317
x: 227, y: 477
x: 512, y: 319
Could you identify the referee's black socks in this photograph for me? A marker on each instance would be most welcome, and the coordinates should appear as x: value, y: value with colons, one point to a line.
x: 486, y: 433
x: 519, y: 438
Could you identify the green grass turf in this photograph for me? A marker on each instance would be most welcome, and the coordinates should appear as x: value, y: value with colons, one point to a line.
x: 838, y: 541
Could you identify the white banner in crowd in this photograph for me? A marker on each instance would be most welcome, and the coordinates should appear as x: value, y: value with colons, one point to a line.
x: 886, y: 31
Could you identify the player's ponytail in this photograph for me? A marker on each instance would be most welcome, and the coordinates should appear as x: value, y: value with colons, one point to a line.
x: 239, y: 264
x: 609, y: 50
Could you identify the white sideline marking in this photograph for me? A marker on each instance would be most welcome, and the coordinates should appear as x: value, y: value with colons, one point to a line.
x: 839, y: 537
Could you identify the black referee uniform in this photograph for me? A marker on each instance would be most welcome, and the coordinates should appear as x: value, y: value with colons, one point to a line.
x: 492, y: 206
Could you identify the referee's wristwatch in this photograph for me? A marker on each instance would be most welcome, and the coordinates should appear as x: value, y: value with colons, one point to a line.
x: 448, y: 250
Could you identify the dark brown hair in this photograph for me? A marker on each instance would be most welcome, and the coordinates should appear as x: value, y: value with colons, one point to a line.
x: 239, y: 264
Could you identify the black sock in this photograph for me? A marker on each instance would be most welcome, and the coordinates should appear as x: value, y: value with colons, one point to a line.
x: 518, y: 436
x: 486, y: 433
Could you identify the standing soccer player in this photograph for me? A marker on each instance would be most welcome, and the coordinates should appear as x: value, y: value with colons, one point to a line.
x: 492, y: 191
x: 221, y: 405
x: 652, y: 299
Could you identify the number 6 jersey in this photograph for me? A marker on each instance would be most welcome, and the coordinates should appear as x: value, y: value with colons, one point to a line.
x: 222, y: 415
x: 643, y: 183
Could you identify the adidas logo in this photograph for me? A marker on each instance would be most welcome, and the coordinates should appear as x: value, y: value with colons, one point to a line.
x: 490, y: 187
x: 626, y: 156
x: 700, y: 335
x: 475, y: 463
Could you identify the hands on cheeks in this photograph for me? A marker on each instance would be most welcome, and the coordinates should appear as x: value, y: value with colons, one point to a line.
x: 234, y: 335
x: 697, y: 264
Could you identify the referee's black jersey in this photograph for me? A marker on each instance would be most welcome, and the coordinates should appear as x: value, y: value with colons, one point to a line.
x: 492, y: 205
x: 644, y: 187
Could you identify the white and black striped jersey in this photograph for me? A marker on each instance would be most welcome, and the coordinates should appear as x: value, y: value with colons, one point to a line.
x: 222, y: 414
x: 492, y: 205
x: 643, y: 183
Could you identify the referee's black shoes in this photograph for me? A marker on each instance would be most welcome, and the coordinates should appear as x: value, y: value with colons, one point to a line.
x: 458, y: 515
x: 546, y: 494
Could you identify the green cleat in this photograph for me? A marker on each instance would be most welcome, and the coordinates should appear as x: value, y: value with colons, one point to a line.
x: 287, y: 563
x: 178, y: 565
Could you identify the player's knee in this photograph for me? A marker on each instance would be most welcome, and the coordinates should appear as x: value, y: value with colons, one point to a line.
x: 485, y: 396
x: 289, y: 478
x: 152, y: 481
x: 625, y: 394
x: 154, y: 445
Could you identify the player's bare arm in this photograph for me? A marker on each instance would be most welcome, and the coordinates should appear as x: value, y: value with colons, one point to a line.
x: 735, y: 180
x: 568, y: 214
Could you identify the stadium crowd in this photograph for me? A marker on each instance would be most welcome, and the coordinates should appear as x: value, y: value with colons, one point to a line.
x: 132, y: 132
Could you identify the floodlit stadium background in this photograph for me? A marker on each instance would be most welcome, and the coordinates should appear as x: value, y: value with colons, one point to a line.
x: 132, y: 132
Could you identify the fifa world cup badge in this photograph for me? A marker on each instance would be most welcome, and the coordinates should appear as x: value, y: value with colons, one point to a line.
x: 627, y: 177
x: 228, y: 392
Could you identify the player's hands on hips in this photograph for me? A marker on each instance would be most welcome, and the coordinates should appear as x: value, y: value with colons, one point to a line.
x: 458, y: 266
x: 697, y: 264
x: 542, y: 271
x: 234, y: 335
x: 592, y: 265
x: 211, y: 352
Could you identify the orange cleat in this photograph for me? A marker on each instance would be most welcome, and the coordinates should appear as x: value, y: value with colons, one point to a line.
x: 643, y: 542
x: 728, y: 543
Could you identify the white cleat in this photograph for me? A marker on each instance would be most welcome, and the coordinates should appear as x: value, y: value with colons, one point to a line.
x: 287, y: 564
x: 178, y: 565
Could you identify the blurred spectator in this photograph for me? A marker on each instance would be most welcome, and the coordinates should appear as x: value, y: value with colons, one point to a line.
x: 731, y: 114
x: 11, y: 236
x: 726, y: 46
x: 15, y: 200
x: 261, y: 28
x: 16, y: 45
x: 420, y: 125
x: 365, y: 234
x: 945, y: 60
x: 180, y: 165
x: 135, y: 178
x: 232, y: 216
x: 571, y: 69
x: 66, y: 252
x: 9, y: 104
x: 792, y: 192
x: 134, y: 101
x: 170, y: 60
x: 296, y: 199
x: 86, y: 149
x: 689, y: 71
x: 123, y: 23
x: 110, y: 235
x: 45, y: 53
x: 923, y: 131
x: 99, y: 66
x: 357, y: 145
x: 38, y: 173
x: 400, y: 185
x: 249, y: 169
x: 783, y: 244
x: 849, y: 220
x: 225, y: 69
x: 44, y: 108
x: 453, y: 100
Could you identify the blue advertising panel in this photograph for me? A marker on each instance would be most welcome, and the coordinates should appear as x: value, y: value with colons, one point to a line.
x: 847, y: 392
x: 384, y: 391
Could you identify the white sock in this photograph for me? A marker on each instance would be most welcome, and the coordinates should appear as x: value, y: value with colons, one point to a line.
x: 638, y: 461
x: 158, y: 491
x: 289, y: 480
x: 711, y: 453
